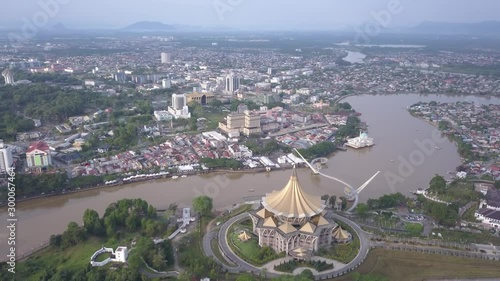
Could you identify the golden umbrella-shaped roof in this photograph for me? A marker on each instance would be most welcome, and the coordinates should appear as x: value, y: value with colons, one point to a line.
x: 292, y: 201
x: 244, y: 236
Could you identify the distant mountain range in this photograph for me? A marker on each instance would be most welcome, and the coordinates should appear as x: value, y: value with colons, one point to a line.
x: 148, y: 26
x: 486, y: 28
x: 477, y: 28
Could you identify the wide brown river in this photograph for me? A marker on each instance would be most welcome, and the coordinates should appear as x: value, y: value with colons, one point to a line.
x: 404, y: 164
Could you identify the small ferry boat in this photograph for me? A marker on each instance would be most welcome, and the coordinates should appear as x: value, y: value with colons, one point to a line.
x: 183, y: 176
x: 251, y: 190
x: 175, y: 177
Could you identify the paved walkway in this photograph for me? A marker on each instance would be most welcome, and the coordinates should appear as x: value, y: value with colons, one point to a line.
x: 245, y: 266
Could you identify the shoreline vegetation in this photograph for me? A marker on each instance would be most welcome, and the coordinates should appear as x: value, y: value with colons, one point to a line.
x: 61, y: 185
x: 328, y: 149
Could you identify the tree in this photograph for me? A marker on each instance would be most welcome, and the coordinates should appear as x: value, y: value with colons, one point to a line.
x: 333, y: 199
x: 55, y: 241
x: 203, y: 205
x: 362, y: 210
x: 91, y: 222
x: 437, y: 184
x: 497, y: 184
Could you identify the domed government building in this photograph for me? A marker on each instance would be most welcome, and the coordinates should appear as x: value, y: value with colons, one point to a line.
x: 295, y: 222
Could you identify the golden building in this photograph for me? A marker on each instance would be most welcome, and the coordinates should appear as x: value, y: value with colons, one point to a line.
x: 200, y: 98
x: 293, y: 221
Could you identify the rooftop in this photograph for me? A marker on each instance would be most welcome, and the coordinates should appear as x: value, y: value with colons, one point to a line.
x: 292, y: 201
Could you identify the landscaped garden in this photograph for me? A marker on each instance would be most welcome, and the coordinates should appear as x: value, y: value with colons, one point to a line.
x: 343, y: 253
x: 290, y: 266
x: 415, y: 229
x: 249, y: 249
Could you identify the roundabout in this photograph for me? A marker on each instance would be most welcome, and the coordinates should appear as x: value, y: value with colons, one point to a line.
x: 295, y: 224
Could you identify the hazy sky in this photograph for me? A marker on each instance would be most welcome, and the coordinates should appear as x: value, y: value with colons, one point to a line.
x: 324, y: 14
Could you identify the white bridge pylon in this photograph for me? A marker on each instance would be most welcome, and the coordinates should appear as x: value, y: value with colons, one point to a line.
x: 350, y: 191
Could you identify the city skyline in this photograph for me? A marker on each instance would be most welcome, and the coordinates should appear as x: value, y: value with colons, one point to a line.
x: 279, y: 14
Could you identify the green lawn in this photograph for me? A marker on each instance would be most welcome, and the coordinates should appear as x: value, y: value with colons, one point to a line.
x: 343, y: 253
x: 71, y: 258
x: 102, y: 257
x: 414, y: 228
x: 411, y: 266
x: 214, y: 119
x: 248, y: 248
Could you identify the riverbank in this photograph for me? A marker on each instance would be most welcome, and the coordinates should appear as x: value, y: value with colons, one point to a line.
x: 164, y: 177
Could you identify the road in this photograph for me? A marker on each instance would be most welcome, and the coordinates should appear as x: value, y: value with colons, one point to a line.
x: 365, y: 245
x: 243, y: 266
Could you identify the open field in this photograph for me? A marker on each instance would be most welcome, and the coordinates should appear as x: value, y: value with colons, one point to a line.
x: 72, y: 258
x: 410, y: 266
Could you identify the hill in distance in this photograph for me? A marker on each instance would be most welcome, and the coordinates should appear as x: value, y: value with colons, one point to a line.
x: 477, y: 28
x: 145, y: 26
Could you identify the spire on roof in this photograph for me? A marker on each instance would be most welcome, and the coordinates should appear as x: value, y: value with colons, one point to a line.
x: 292, y: 201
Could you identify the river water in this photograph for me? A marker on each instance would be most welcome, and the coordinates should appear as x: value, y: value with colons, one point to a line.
x: 395, y: 131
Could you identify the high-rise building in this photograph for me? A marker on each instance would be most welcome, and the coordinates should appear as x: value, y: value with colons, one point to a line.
x: 166, y: 58
x: 178, y: 101
x: 166, y: 83
x: 248, y: 123
x: 38, y: 155
x: 8, y: 76
x: 5, y: 157
x: 270, y: 71
x: 232, y: 83
x: 120, y: 77
x: 179, y: 108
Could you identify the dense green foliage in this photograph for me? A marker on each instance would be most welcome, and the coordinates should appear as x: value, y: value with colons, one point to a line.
x: 85, y: 181
x: 223, y: 163
x: 73, y: 235
x: 59, y: 78
x: 351, y: 129
x: 464, y: 148
x: 194, y: 261
x: 39, y: 101
x: 203, y: 205
x: 441, y: 213
x: 386, y: 201
x: 319, y: 150
x: 131, y: 215
x: 259, y: 147
x: 126, y: 217
x: 437, y: 184
x: 344, y: 253
x: 290, y: 266
x: 11, y: 124
x: 32, y: 185
x: 124, y: 137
